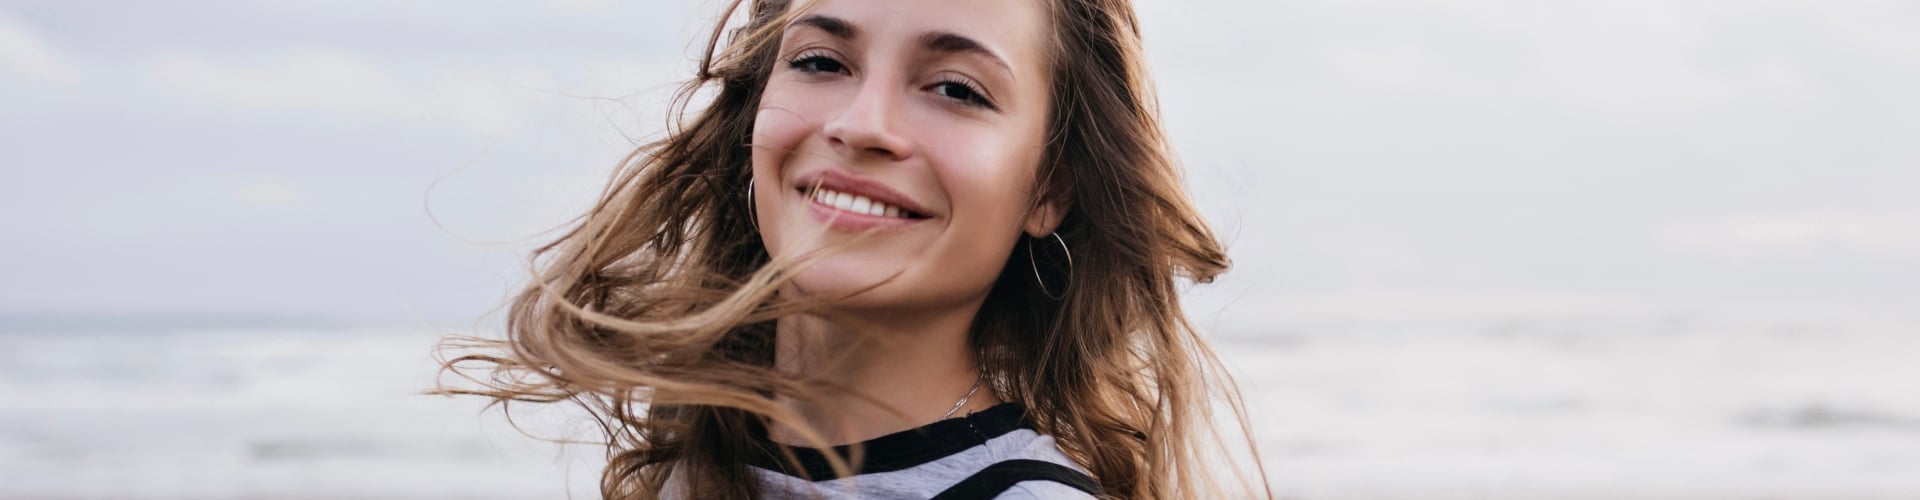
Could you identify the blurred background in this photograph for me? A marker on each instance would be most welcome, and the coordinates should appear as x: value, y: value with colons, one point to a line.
x: 1484, y: 248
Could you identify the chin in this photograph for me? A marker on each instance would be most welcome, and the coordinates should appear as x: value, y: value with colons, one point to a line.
x: 844, y: 277
x: 855, y: 285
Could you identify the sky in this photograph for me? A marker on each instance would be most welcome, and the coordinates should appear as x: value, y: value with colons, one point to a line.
x: 393, y: 162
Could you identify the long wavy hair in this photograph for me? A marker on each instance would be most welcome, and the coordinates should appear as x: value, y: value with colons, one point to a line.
x: 655, y: 310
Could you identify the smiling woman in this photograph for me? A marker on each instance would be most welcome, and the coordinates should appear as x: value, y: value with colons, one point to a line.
x: 910, y: 249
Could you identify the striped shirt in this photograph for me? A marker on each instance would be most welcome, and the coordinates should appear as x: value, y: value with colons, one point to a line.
x: 991, y: 454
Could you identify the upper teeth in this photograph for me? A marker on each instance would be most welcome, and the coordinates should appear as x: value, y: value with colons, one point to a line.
x: 856, y: 203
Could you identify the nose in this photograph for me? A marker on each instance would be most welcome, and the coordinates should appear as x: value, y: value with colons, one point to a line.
x: 870, y: 125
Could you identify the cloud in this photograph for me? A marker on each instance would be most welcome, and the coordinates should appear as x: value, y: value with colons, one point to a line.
x: 1612, y: 53
x: 324, y: 82
x: 489, y: 103
x: 22, y: 51
x: 1793, y: 234
x: 267, y: 193
x: 582, y: 5
x: 1879, y: 25
x: 1404, y: 65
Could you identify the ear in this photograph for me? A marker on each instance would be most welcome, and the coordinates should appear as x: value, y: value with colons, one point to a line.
x: 1045, y: 216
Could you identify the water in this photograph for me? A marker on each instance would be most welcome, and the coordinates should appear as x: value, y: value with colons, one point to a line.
x: 1663, y: 407
x: 1656, y: 406
x: 259, y: 414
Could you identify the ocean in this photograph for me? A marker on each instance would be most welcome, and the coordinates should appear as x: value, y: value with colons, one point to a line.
x: 1653, y: 406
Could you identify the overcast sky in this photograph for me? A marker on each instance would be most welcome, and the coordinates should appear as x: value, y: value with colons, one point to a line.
x: 284, y: 157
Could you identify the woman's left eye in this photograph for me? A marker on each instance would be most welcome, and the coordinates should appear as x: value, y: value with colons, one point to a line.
x: 963, y: 92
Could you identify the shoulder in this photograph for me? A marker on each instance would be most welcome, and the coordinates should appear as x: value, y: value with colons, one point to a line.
x: 1043, y: 490
x: 1026, y: 444
x: 1025, y: 464
x: 1024, y: 478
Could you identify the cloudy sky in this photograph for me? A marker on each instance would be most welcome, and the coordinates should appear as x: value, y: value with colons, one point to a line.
x: 373, y: 162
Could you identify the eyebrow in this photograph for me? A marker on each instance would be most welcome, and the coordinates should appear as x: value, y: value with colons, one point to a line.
x: 949, y: 43
x: 835, y: 26
x: 939, y: 41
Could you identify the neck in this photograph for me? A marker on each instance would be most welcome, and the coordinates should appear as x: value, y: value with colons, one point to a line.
x: 883, y: 375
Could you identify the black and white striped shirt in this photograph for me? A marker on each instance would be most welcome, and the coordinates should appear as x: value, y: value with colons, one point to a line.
x: 990, y: 454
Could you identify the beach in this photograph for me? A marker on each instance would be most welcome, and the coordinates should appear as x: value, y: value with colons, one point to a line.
x: 1654, y: 406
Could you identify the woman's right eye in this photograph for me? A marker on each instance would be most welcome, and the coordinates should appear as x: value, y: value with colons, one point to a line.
x: 816, y: 63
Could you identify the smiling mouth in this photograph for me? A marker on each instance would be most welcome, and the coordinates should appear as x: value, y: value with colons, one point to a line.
x: 857, y: 204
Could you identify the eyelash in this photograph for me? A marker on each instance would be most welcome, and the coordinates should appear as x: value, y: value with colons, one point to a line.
x: 974, y: 97
x: 811, y: 62
x: 805, y: 59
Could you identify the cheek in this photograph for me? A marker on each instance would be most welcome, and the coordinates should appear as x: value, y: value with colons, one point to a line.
x: 778, y: 128
x: 990, y: 175
x: 988, y: 179
x: 789, y: 113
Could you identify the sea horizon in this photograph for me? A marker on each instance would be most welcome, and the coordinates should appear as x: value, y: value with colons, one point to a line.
x: 1499, y: 407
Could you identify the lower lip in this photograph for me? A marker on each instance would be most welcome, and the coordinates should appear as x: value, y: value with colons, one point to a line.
x: 850, y: 221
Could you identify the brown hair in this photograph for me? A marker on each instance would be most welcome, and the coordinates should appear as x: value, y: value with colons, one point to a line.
x: 655, y: 311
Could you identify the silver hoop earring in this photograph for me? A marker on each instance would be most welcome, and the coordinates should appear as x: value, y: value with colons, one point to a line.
x: 753, y: 212
x: 1036, y: 267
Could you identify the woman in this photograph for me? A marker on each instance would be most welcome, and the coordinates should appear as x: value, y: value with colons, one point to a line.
x: 909, y: 248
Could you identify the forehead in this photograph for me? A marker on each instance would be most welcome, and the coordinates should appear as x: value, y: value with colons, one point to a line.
x: 1011, y: 28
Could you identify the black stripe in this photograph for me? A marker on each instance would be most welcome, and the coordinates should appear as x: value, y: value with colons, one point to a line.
x: 897, y: 451
x: 997, y: 478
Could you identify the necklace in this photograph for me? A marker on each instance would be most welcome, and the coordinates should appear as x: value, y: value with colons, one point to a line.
x: 963, y: 399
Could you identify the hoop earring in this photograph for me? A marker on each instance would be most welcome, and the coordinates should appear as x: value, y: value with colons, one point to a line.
x: 1036, y: 267
x: 753, y: 212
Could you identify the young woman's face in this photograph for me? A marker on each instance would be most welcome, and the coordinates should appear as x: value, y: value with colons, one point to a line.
x: 919, y: 123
